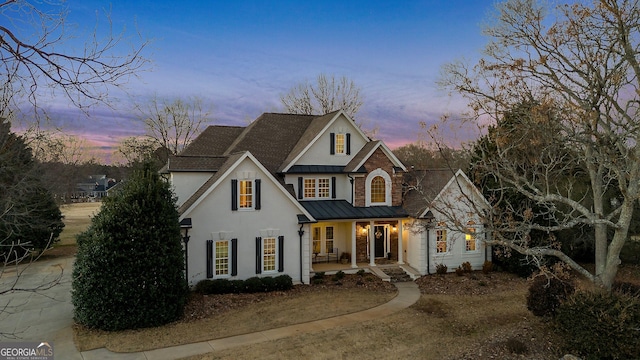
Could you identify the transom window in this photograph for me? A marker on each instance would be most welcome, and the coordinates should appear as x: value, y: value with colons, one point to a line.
x: 441, y: 239
x: 246, y: 194
x: 340, y: 148
x: 378, y: 190
x: 317, y: 188
x: 221, y: 257
x: 470, y: 237
x: 269, y: 254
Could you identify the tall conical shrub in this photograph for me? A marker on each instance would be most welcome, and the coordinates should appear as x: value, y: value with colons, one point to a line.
x: 129, y: 267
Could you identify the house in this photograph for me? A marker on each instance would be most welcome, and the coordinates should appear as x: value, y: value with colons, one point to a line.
x: 289, y: 192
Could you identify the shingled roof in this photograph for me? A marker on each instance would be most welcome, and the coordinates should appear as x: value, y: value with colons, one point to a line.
x: 424, y: 186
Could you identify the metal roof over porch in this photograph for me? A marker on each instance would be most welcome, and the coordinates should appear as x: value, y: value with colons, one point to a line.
x: 342, y: 209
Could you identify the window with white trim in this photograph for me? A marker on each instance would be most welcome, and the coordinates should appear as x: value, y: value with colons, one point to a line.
x: 328, y: 239
x: 323, y: 239
x: 317, y: 239
x: 319, y: 188
x: 221, y: 256
x: 340, y: 144
x: 441, y: 239
x: 245, y: 193
x: 378, y: 190
x: 470, y: 237
x: 269, y: 254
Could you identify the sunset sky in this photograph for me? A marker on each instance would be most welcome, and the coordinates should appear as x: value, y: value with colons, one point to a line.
x: 241, y: 56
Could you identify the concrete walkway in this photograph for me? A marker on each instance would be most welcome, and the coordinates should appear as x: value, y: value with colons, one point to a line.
x: 48, y: 316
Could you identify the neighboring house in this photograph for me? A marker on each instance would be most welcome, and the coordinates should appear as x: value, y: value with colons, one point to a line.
x: 288, y: 191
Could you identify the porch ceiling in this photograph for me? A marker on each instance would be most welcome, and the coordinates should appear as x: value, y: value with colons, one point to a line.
x: 342, y: 209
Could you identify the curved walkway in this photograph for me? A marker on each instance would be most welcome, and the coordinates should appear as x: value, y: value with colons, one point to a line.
x: 408, y: 294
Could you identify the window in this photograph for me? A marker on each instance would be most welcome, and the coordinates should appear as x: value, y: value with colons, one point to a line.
x: 317, y: 188
x: 269, y: 254
x: 340, y: 144
x: 378, y: 193
x: 317, y: 239
x: 322, y: 237
x: 246, y: 194
x: 470, y: 237
x: 378, y: 188
x: 323, y: 188
x: 328, y: 239
x: 221, y: 257
x: 309, y: 188
x: 441, y: 239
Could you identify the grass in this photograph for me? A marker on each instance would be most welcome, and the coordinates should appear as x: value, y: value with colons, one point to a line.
x: 436, y: 327
x: 272, y: 313
x: 77, y: 218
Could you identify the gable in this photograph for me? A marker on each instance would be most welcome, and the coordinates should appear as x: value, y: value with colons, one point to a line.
x: 315, y: 147
x: 240, y: 165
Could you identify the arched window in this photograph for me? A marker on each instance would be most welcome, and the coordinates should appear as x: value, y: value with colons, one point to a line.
x: 378, y: 190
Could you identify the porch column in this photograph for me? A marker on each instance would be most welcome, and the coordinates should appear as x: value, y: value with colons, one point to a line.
x: 353, y: 245
x: 400, y: 245
x: 372, y: 244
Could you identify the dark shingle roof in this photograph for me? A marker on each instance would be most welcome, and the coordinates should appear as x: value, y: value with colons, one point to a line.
x: 360, y: 156
x: 213, y: 141
x: 271, y: 137
x: 342, y: 209
x: 320, y: 169
x: 195, y: 163
x: 424, y: 186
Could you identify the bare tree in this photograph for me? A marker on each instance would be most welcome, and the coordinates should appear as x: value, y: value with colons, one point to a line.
x: 134, y: 149
x: 327, y: 95
x: 174, y: 123
x: 31, y: 63
x: 582, y: 60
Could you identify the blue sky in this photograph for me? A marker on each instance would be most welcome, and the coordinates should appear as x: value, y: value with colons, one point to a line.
x: 240, y: 56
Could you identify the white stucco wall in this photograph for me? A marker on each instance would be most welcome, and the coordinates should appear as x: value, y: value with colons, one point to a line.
x: 319, y: 152
x: 276, y: 216
x: 451, y: 205
x: 186, y: 183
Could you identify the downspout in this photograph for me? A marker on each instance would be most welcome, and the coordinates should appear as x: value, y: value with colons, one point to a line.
x: 351, y: 181
x: 300, y: 233
x: 428, y: 255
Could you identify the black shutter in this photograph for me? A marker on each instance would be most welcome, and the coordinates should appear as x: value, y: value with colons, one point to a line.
x: 257, y: 195
x: 348, y: 144
x: 300, y: 181
x: 234, y: 194
x: 209, y: 259
x: 333, y: 187
x: 234, y: 257
x: 332, y: 149
x: 258, y: 255
x: 281, y: 252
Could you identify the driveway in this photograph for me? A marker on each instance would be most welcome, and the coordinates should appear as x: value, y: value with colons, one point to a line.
x: 43, y: 315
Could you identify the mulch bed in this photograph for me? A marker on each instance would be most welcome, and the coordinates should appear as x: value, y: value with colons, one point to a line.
x: 474, y: 283
x: 203, y: 306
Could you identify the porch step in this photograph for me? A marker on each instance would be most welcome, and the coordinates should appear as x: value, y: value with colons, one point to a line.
x: 397, y: 274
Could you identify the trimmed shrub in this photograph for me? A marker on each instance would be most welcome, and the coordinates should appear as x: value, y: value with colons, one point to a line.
x: 466, y: 267
x: 441, y: 269
x: 361, y: 272
x: 236, y: 286
x: 459, y: 271
x: 487, y: 267
x: 338, y: 276
x: 283, y: 282
x: 318, y: 275
x: 268, y: 284
x: 546, y: 294
x: 600, y: 325
x: 129, y: 270
x: 253, y: 285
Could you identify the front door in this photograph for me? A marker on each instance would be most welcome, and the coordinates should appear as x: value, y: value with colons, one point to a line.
x: 380, y: 236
